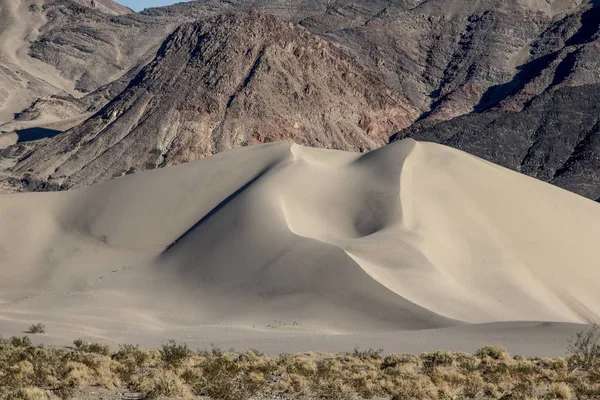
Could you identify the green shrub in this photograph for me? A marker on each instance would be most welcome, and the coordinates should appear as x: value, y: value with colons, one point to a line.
x: 173, y: 355
x: 37, y: 328
x: 131, y: 359
x: 366, y: 354
x: 20, y: 341
x: 95, y: 348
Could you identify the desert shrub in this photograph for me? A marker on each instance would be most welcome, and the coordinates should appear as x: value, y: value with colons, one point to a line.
x: 77, y: 374
x: 366, y: 354
x: 96, y: 348
x: 264, y: 365
x: 561, y: 391
x: 493, y: 352
x: 128, y: 352
x: 173, y: 355
x: 414, y: 387
x: 215, y: 351
x: 552, y: 364
x: 393, y: 360
x: 466, y: 363
x: 46, y: 366
x: 327, y: 369
x: 523, y: 378
x: 334, y: 389
x: 103, y: 370
x: 29, y: 394
x: 64, y: 392
x: 78, y: 343
x: 473, y: 385
x: 292, y: 383
x: 437, y: 359
x: 175, y: 371
x: 37, y: 328
x: 161, y: 382
x: 220, y: 379
x: 297, y: 365
x: 130, y: 360
x: 253, y: 382
x: 586, y: 389
x: 24, y: 341
x: 364, y: 382
x: 256, y: 352
x: 326, y: 381
x: 584, y: 349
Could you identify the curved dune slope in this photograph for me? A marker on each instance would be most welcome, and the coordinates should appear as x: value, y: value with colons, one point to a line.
x: 410, y: 236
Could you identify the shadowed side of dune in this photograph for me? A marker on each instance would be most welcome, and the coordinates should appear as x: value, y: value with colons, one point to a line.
x: 246, y: 254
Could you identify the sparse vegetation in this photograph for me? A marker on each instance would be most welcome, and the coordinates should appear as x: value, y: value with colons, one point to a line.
x: 96, y: 348
x: 37, y: 328
x: 174, y: 370
x: 173, y: 355
x: 585, y: 349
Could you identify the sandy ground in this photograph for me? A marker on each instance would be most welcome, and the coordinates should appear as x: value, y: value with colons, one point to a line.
x: 411, y: 247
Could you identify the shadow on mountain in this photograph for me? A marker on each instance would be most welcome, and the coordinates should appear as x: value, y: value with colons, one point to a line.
x: 590, y: 23
x: 527, y: 72
x: 33, y: 134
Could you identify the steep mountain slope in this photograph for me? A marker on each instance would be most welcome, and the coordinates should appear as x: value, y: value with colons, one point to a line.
x: 106, y: 6
x: 450, y: 58
x: 227, y: 82
x: 71, y: 47
x: 91, y: 48
x: 22, y: 79
x: 412, y: 60
x: 409, y: 236
x: 447, y: 57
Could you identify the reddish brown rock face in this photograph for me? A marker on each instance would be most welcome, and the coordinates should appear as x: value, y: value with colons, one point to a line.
x: 231, y: 81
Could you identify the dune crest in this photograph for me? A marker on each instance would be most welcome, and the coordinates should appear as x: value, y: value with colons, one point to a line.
x: 410, y: 236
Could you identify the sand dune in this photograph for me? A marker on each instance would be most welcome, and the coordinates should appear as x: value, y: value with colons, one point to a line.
x: 411, y: 236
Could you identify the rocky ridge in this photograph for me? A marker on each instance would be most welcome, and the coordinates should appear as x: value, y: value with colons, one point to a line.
x: 433, y: 67
x: 227, y: 82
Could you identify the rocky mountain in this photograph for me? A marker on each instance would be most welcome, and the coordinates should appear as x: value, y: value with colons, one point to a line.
x: 487, y: 76
x: 226, y: 82
x: 105, y: 6
x: 89, y: 47
x: 70, y: 48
